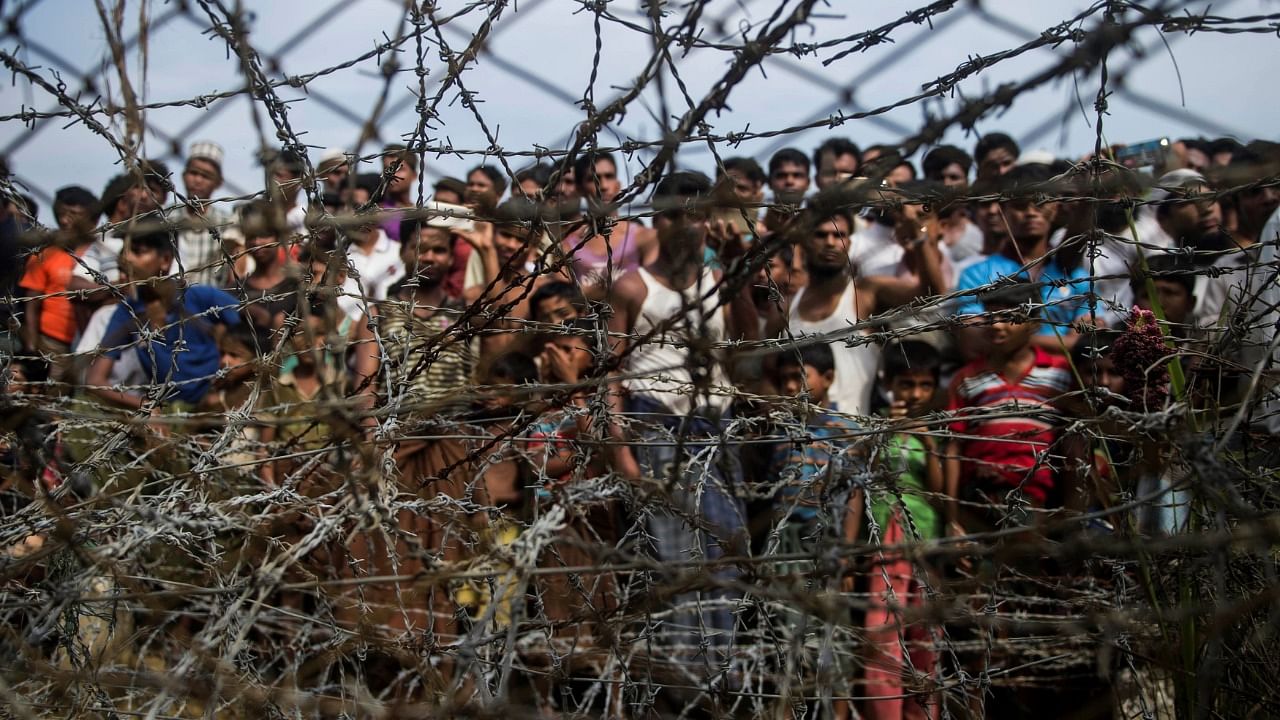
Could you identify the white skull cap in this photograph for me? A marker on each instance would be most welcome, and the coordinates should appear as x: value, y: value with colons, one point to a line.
x: 206, y: 150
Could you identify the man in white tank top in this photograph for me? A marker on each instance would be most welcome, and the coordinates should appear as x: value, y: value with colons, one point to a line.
x: 835, y: 299
x: 669, y: 325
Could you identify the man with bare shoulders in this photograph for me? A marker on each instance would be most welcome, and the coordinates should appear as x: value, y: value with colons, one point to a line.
x: 837, y: 297
x: 670, y: 319
x: 599, y: 258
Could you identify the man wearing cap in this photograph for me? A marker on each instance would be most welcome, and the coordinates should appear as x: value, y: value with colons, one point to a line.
x: 335, y: 169
x: 203, y: 245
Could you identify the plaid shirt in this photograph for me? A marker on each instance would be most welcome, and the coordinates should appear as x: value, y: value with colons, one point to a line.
x: 200, y: 255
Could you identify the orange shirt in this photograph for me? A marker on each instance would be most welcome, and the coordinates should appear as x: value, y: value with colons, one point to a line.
x: 48, y: 273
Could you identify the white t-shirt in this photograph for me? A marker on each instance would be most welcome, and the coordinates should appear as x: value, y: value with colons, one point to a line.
x: 101, y: 258
x: 378, y: 269
x: 128, y: 369
x: 1265, y: 318
x: 874, y: 251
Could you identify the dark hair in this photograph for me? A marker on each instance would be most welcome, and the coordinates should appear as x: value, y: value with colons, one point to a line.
x: 833, y: 202
x: 319, y: 252
x: 683, y: 184
x: 1024, y: 180
x: 817, y: 356
x: 325, y: 234
x: 1225, y: 144
x: 412, y: 227
x: 911, y: 356
x: 244, y: 333
x: 889, y: 157
x: 882, y: 150
x: 1174, y: 268
x: 784, y: 251
x: 1198, y: 143
x: 837, y: 146
x: 370, y: 183
x: 788, y: 155
x: 495, y: 176
x: 925, y: 192
x: 160, y: 240
x: 287, y: 160
x: 560, y: 289
x: 540, y: 173
x: 149, y: 171
x: 1092, y: 346
x: 402, y: 153
x: 521, y: 214
x: 113, y: 192
x: 1010, y: 293
x: 942, y: 157
x: 995, y: 141
x: 683, y: 190
x: 74, y: 196
x: 515, y: 366
x: 589, y: 330
x: 451, y: 184
x: 1254, y: 161
x: 585, y: 165
x: 258, y: 219
x: 748, y: 167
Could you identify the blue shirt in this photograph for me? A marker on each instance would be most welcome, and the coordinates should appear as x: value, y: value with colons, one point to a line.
x: 802, y: 464
x: 186, y: 357
x: 1063, y: 305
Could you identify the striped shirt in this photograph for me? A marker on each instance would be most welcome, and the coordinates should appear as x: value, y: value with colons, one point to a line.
x: 428, y: 367
x: 1009, y: 423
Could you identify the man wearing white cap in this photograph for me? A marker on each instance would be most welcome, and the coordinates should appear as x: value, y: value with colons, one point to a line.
x: 203, y: 240
x: 335, y: 169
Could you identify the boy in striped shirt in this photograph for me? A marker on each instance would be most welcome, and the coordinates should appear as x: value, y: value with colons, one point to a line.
x: 1006, y: 426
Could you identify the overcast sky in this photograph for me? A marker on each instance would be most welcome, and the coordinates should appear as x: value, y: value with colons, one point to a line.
x: 538, y: 63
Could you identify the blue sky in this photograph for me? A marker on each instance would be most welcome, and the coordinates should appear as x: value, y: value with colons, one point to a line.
x: 539, y: 61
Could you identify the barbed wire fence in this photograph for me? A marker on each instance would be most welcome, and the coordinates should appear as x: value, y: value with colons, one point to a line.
x: 408, y: 557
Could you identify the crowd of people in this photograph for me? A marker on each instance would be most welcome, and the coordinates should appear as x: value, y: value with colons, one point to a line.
x: 837, y: 354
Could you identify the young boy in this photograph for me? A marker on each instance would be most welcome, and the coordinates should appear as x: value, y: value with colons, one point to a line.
x: 904, y: 512
x: 805, y: 468
x: 811, y: 502
x: 1004, y: 414
x: 238, y: 366
x: 311, y: 379
x: 556, y: 302
x: 172, y: 328
x: 909, y: 462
